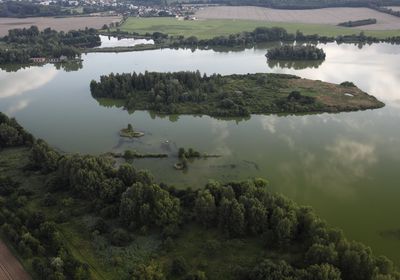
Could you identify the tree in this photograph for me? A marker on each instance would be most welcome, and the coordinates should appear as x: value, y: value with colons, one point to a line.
x: 319, y: 254
x: 323, y: 272
x: 205, y: 208
x: 151, y: 271
x: 268, y: 270
x: 231, y: 217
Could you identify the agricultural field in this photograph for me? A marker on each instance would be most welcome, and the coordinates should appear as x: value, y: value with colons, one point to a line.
x: 331, y: 16
x: 59, y: 24
x: 206, y: 29
x: 10, y: 267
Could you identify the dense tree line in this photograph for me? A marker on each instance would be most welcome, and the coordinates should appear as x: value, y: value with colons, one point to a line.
x: 26, y: 9
x: 35, y: 9
x: 356, y: 23
x: 296, y: 52
x: 384, y: 9
x: 12, y: 134
x: 23, y: 44
x: 258, y: 35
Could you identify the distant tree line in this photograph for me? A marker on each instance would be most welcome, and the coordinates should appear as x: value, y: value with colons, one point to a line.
x: 34, y: 9
x: 22, y: 44
x: 296, y: 52
x: 257, y: 36
x: 384, y: 9
x: 356, y: 23
x: 26, y: 9
x: 128, y: 200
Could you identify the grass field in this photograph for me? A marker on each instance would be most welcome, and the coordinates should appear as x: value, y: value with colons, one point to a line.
x: 205, y: 29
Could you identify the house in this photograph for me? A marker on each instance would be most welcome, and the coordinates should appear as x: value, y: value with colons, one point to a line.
x: 38, y: 59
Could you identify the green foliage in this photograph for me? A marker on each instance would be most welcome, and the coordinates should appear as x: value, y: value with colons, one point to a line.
x: 12, y: 134
x: 149, y: 205
x: 356, y: 23
x: 43, y: 157
x: 216, y: 95
x: 120, y: 237
x: 348, y: 84
x: 182, y: 153
x: 296, y: 52
x: 288, y: 241
x: 34, y: 236
x: 23, y: 44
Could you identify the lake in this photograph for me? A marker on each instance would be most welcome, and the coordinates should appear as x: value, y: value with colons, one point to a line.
x: 344, y: 165
x: 111, y: 41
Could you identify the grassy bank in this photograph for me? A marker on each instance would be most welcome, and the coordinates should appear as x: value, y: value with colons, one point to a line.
x: 207, y: 29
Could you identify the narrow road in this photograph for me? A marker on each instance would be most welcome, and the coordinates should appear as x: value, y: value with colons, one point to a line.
x: 10, y: 267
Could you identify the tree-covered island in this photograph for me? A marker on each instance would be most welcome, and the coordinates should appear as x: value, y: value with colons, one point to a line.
x: 232, y: 95
x: 296, y: 52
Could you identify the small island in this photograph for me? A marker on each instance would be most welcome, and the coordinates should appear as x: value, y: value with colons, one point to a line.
x: 228, y: 96
x: 190, y: 154
x: 129, y: 132
x: 295, y: 52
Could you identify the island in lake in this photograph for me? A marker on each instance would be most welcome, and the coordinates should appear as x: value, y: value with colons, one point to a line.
x: 231, y: 95
x: 296, y: 52
x: 129, y: 132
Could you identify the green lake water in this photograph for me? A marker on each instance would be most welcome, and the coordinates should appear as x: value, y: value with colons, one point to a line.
x: 347, y: 165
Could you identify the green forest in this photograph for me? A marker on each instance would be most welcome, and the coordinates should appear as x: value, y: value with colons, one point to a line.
x: 296, y: 52
x: 232, y: 95
x: 237, y: 230
x: 20, y: 45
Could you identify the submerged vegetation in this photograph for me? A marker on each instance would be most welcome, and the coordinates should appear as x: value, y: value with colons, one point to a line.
x: 296, y: 52
x: 232, y: 95
x: 58, y: 210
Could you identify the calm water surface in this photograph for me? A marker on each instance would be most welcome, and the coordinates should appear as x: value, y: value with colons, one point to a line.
x: 111, y: 41
x: 345, y: 165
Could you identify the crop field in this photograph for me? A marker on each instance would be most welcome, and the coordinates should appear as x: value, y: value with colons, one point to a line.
x: 209, y: 28
x: 10, y: 267
x: 59, y: 24
x: 331, y: 16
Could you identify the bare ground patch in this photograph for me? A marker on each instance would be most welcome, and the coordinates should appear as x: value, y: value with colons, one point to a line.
x: 331, y: 16
x: 10, y: 267
x: 59, y: 24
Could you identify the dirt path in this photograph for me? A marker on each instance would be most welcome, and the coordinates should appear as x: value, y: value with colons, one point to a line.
x: 10, y: 267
